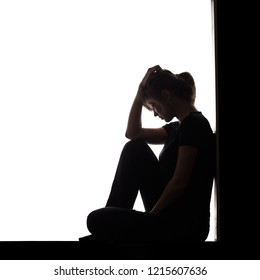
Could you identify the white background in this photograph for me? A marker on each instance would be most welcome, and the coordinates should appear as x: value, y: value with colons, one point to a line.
x: 69, y: 71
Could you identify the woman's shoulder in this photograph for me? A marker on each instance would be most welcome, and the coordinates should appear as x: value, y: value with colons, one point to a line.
x: 171, y: 127
x: 196, y: 120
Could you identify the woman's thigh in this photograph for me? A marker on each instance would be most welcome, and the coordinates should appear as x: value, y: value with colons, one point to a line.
x: 124, y: 224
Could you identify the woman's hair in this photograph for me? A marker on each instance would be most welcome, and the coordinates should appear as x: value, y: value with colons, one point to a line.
x: 182, y: 85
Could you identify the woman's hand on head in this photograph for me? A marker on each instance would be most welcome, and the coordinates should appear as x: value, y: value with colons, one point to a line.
x: 145, y: 79
x: 150, y: 71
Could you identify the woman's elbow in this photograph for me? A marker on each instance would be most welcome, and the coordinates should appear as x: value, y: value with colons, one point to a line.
x: 130, y: 135
x: 127, y: 135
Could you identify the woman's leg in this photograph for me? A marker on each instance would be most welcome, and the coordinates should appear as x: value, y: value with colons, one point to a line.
x: 138, y: 170
x: 120, y: 224
x: 125, y: 225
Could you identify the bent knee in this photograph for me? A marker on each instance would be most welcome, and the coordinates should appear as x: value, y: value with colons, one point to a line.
x: 136, y: 145
x: 94, y: 220
x: 108, y: 219
x: 100, y: 220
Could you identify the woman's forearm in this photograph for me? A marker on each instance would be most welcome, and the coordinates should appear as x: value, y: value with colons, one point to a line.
x: 134, y: 124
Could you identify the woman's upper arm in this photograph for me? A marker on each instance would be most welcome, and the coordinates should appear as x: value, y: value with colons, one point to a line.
x: 187, y: 156
x: 153, y: 135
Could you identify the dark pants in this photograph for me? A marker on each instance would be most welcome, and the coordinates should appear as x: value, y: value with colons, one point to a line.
x: 138, y: 170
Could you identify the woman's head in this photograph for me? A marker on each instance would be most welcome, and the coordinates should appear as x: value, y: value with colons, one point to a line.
x: 180, y: 85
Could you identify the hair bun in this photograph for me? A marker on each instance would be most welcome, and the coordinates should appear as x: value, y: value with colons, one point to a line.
x: 186, y: 77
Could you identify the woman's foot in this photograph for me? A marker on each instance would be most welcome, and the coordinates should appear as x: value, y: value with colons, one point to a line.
x: 94, y: 239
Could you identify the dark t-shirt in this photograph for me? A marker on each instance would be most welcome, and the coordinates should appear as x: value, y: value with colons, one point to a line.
x: 196, y: 131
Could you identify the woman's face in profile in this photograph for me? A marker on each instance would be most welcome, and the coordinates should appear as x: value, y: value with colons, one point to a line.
x: 161, y: 108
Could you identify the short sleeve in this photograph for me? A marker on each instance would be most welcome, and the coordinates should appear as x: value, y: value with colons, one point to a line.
x: 171, y: 128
